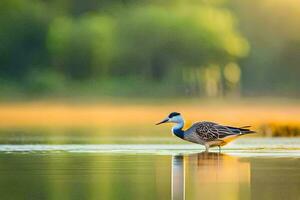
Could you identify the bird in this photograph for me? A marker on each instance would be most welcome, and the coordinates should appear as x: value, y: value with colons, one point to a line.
x: 209, y: 134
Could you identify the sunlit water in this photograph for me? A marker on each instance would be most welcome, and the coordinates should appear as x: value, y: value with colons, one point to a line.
x: 250, y: 168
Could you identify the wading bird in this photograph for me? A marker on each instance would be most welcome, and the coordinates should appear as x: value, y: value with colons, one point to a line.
x: 209, y: 134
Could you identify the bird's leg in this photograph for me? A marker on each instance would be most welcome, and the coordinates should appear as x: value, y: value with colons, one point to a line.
x: 206, y: 148
x: 219, y: 148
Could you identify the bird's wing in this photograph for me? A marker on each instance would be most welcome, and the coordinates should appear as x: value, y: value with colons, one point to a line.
x: 209, y: 131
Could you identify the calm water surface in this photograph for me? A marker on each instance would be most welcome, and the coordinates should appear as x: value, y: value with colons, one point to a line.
x: 247, y: 169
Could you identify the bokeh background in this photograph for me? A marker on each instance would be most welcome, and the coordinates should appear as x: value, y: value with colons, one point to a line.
x: 114, y: 68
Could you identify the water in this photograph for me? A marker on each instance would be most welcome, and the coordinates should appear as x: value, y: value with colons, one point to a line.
x: 250, y: 168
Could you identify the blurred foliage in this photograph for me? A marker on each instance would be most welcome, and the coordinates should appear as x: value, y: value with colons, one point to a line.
x: 279, y: 130
x: 273, y: 30
x: 162, y: 47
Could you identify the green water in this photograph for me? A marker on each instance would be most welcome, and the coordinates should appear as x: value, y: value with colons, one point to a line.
x: 250, y: 168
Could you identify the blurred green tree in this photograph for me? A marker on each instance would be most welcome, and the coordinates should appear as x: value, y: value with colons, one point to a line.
x: 22, y: 37
x: 83, y: 48
x: 156, y: 41
x: 273, y: 30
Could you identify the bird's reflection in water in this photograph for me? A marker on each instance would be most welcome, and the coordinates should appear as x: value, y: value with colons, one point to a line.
x: 178, y: 178
x: 210, y: 176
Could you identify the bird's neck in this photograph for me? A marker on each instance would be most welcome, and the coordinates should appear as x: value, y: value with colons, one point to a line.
x: 177, y: 129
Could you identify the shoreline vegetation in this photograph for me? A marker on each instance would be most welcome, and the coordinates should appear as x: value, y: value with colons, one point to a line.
x: 275, y: 119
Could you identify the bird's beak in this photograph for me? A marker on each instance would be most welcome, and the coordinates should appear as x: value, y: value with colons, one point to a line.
x: 163, y: 121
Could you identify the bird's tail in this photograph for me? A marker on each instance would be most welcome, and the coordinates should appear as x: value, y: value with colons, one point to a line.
x: 246, y: 130
x: 241, y: 130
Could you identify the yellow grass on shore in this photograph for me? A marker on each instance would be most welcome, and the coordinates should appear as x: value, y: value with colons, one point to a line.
x: 47, y: 114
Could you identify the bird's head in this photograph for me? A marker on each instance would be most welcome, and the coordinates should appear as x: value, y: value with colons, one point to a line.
x: 173, y: 117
